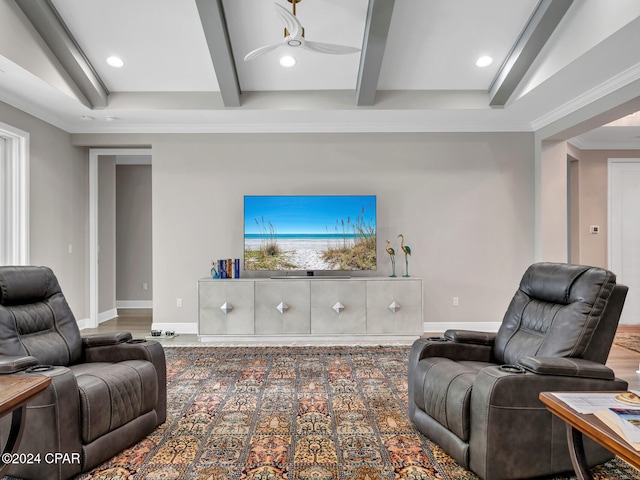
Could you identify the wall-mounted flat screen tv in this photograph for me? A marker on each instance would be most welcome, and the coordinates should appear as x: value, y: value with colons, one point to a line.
x: 310, y: 232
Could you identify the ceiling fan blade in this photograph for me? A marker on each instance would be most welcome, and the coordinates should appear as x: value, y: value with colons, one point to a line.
x: 329, y: 48
x: 291, y: 23
x: 261, y: 51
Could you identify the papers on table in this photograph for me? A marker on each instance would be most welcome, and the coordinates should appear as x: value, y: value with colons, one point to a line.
x: 610, y: 408
x: 584, y: 402
x: 624, y: 421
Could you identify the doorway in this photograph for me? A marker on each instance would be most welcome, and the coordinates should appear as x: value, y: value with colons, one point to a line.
x: 14, y: 196
x: 624, y: 231
x: 102, y: 261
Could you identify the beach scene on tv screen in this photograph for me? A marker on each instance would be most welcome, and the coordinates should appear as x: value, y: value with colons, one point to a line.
x: 310, y: 232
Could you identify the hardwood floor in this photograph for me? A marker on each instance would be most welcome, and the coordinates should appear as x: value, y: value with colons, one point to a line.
x: 625, y: 362
x: 138, y: 321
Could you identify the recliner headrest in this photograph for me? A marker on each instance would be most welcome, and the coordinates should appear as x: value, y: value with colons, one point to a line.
x: 21, y: 285
x: 551, y: 282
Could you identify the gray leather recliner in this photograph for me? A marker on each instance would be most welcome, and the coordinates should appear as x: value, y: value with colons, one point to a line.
x: 107, y: 391
x: 476, y: 394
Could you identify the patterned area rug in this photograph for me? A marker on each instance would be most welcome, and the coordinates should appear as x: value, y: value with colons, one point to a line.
x: 304, y: 413
x: 628, y: 340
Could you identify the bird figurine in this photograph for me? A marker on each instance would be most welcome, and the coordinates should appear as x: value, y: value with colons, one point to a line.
x: 392, y: 254
x: 407, y: 251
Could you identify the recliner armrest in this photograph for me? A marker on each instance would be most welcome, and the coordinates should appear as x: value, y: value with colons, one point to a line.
x: 138, y: 349
x: 470, y: 336
x: 568, y: 367
x: 442, y: 347
x: 108, y: 338
x: 12, y: 363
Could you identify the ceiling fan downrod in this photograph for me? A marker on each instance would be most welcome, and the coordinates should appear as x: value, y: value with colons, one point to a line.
x: 293, y: 10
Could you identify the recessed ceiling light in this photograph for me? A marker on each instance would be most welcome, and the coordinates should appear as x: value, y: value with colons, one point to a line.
x: 115, y: 62
x: 287, y: 61
x: 87, y: 118
x: 112, y: 119
x: 484, y: 61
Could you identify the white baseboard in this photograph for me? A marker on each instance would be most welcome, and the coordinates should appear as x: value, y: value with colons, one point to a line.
x: 176, y: 327
x: 437, y: 327
x: 134, y: 303
x: 434, y: 327
x: 301, y: 340
x: 108, y: 315
x: 82, y: 323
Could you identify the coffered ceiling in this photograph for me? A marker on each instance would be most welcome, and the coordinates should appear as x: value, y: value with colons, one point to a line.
x: 557, y: 65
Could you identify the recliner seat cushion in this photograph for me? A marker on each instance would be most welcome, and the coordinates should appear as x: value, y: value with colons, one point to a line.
x: 443, y: 390
x: 112, y: 395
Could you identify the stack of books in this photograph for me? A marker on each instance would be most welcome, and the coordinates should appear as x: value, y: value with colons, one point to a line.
x: 226, y: 268
x: 624, y: 421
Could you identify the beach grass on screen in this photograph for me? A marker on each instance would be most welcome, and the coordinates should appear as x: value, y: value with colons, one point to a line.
x: 310, y: 232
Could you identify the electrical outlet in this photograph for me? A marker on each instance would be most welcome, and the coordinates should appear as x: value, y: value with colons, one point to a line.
x: 145, y: 286
x: 455, y: 302
x: 179, y: 302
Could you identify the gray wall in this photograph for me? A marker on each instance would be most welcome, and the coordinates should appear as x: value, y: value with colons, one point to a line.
x: 465, y: 203
x: 133, y: 233
x: 58, y: 205
x: 593, y: 202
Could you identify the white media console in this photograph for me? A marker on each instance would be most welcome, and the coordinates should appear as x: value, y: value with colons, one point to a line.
x: 308, y: 309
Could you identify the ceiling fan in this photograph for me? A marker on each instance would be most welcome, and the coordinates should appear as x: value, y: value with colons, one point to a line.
x: 294, y: 37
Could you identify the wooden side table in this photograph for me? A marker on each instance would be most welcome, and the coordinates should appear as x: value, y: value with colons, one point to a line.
x: 579, y: 424
x: 15, y: 393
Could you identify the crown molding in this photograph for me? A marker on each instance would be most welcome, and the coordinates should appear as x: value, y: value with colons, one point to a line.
x: 616, y: 82
x: 584, y: 144
x: 311, y: 127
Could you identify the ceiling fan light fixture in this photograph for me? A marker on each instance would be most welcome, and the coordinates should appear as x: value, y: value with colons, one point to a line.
x: 287, y: 61
x: 115, y: 62
x: 484, y: 61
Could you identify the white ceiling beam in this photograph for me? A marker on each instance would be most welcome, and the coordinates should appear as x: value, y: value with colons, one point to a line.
x: 375, y: 40
x: 49, y: 25
x: 217, y: 35
x: 544, y: 20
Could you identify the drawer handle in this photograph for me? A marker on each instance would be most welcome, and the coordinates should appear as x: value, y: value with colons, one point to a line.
x: 226, y: 307
x: 282, y: 307
x: 394, y: 307
x: 338, y: 307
